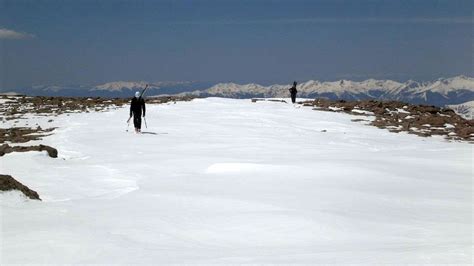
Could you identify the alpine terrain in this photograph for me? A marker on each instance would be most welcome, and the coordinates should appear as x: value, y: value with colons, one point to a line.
x: 228, y: 181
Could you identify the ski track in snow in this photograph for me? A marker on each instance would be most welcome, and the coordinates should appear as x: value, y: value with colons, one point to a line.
x: 230, y: 181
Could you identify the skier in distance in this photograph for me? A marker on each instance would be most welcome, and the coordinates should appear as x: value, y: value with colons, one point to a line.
x: 293, y: 92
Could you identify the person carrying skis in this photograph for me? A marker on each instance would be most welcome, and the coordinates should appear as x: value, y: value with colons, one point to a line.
x: 293, y: 92
x: 136, y: 107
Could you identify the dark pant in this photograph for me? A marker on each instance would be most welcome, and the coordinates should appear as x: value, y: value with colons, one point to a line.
x: 293, y: 97
x: 137, y: 121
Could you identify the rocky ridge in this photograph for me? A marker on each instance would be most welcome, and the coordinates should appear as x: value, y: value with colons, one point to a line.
x: 395, y: 116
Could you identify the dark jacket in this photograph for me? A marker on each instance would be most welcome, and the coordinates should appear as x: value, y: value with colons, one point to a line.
x: 293, y: 90
x: 137, y: 106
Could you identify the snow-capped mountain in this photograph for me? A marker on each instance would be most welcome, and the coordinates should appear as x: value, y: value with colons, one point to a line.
x: 130, y: 85
x: 465, y: 110
x: 122, y: 85
x: 112, y: 89
x: 440, y: 92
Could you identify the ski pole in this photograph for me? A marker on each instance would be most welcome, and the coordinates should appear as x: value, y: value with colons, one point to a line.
x: 128, y: 124
x: 144, y: 119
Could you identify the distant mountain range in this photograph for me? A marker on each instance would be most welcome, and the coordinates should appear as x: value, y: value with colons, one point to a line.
x: 441, y: 92
x: 120, y: 89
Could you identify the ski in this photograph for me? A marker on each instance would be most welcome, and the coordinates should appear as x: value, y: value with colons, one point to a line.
x: 143, y: 91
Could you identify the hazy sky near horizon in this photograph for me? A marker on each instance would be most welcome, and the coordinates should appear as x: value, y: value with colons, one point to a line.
x: 264, y: 41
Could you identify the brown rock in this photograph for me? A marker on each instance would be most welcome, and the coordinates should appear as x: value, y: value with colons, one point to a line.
x: 465, y: 132
x: 7, y: 183
x: 437, y: 121
x: 52, y: 152
x: 5, y: 148
x: 385, y: 117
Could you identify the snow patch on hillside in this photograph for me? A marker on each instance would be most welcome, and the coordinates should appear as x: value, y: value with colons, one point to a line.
x: 466, y: 110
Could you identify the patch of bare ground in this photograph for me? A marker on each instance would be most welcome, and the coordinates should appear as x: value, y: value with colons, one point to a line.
x: 16, y: 107
x: 23, y: 134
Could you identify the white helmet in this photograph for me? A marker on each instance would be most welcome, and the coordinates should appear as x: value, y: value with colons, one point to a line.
x: 137, y: 94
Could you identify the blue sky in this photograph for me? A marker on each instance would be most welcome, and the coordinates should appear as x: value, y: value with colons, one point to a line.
x: 90, y: 42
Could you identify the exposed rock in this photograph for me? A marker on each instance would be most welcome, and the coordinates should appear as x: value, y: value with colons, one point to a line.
x: 465, y: 132
x: 254, y: 100
x: 358, y: 120
x: 16, y: 107
x: 23, y: 134
x: 7, y: 183
x: 165, y: 99
x: 52, y: 152
x: 5, y: 148
x: 422, y: 120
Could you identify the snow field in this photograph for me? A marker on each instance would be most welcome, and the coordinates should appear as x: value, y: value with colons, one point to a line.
x: 230, y: 181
